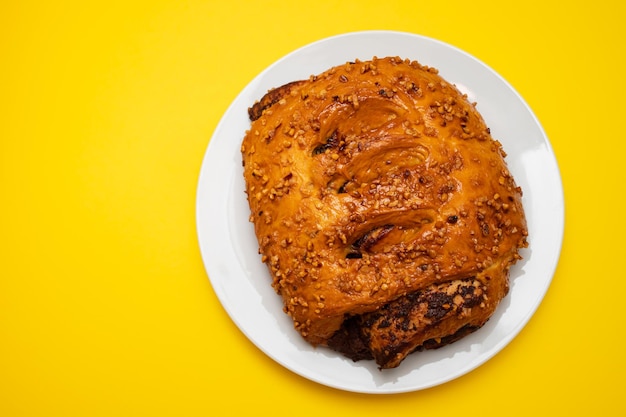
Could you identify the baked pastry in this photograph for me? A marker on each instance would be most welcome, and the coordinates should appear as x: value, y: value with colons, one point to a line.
x: 383, y: 208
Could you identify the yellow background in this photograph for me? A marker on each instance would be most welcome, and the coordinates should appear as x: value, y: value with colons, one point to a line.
x: 106, y: 110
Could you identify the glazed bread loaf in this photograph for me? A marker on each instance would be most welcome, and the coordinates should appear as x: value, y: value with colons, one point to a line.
x: 383, y: 208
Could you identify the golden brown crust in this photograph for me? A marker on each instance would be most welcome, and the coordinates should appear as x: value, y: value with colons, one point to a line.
x: 378, y: 182
x: 272, y: 97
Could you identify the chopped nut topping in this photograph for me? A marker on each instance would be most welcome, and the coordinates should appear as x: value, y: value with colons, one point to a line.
x: 391, y: 192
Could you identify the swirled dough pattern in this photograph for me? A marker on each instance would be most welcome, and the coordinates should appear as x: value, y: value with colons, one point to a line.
x: 383, y: 208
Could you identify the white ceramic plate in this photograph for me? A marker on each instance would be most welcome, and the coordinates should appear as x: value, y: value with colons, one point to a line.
x: 242, y: 283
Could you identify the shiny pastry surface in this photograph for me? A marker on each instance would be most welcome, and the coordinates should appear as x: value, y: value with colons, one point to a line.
x: 383, y: 208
